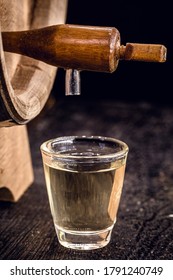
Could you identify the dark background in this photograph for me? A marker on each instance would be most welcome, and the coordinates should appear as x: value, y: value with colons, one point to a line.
x: 137, y: 21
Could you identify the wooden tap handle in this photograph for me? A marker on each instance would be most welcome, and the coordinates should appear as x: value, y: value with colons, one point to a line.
x: 78, y: 47
x: 143, y: 52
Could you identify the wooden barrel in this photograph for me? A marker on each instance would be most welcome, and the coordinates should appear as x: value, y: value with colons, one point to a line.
x: 25, y: 85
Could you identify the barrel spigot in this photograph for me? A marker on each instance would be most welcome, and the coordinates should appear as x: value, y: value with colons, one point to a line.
x: 72, y: 47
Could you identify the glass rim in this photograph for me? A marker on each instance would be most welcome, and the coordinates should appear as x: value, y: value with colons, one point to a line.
x: 118, y: 154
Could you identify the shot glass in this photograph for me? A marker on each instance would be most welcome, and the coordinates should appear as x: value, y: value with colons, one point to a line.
x: 84, y: 178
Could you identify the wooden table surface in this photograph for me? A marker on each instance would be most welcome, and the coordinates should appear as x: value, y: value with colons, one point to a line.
x: 144, y: 228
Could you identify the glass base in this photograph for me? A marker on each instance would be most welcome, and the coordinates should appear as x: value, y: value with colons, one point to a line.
x: 83, y: 240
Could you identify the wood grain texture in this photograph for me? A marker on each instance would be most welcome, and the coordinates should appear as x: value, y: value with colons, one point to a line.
x: 16, y: 173
x: 25, y: 82
x: 25, y: 85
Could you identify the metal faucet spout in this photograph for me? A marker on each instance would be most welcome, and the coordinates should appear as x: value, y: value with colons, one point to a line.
x: 72, y: 82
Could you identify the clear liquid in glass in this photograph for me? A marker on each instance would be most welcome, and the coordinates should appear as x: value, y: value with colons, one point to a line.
x: 84, y: 202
